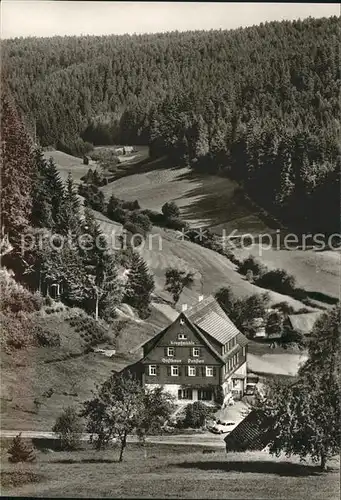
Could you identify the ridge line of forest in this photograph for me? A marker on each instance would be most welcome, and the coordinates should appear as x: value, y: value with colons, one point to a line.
x: 260, y: 104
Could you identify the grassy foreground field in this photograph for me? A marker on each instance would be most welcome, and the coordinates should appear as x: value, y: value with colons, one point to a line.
x: 169, y: 472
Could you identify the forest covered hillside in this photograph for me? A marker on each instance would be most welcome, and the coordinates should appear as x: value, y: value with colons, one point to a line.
x: 260, y: 104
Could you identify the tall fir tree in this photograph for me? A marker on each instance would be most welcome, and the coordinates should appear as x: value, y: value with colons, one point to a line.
x: 101, y: 268
x: 55, y: 189
x: 69, y: 221
x: 41, y: 195
x: 17, y: 172
x: 139, y: 286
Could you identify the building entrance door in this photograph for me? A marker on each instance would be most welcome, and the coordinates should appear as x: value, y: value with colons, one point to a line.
x: 185, y: 394
x: 204, y: 395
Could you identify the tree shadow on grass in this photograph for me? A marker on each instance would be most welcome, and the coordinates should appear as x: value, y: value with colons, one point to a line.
x: 86, y: 461
x: 260, y: 467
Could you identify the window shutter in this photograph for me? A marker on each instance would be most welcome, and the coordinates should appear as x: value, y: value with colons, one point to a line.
x: 157, y: 369
x: 214, y: 371
x: 168, y: 370
x: 165, y: 351
x: 179, y: 394
x: 179, y: 370
x: 199, y: 352
x: 203, y: 371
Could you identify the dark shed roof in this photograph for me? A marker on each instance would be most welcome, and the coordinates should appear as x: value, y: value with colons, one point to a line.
x: 251, y: 434
x: 304, y: 323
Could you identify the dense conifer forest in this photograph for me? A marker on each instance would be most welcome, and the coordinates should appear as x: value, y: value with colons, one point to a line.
x: 48, y: 240
x: 259, y: 104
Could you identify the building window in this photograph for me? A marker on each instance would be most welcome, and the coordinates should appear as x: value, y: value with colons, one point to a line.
x: 209, y: 371
x: 174, y: 371
x: 196, y: 352
x: 192, y: 371
x: 170, y: 351
x: 152, y: 369
x: 185, y: 394
x: 182, y: 336
x: 244, y: 351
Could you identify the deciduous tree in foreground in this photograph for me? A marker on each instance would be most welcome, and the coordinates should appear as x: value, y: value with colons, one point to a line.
x: 69, y: 428
x: 121, y: 407
x: 306, y: 416
x: 176, y: 281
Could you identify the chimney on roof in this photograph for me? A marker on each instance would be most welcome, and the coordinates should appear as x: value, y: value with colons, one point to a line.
x: 201, y: 297
x: 184, y: 307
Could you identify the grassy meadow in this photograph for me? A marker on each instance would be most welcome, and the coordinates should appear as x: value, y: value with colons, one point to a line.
x: 38, y: 382
x: 213, y: 202
x: 168, y: 472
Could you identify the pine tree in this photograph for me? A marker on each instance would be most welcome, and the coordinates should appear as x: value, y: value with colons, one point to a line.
x: 287, y: 185
x: 140, y: 285
x: 65, y: 267
x: 55, y: 190
x: 199, y: 139
x: 41, y: 195
x: 108, y: 288
x: 17, y: 172
x: 69, y: 220
x: 20, y: 452
x: 100, y: 265
x: 113, y: 204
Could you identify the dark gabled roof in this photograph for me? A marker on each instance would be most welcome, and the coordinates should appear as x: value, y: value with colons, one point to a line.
x: 207, y: 317
x: 210, y: 317
x: 158, y: 337
x: 304, y: 323
x: 251, y: 434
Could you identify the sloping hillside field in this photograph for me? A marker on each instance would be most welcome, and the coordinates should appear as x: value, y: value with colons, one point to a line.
x: 214, y: 202
x: 68, y: 163
x: 204, y: 200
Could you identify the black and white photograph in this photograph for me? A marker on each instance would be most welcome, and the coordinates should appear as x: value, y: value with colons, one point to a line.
x: 170, y: 244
